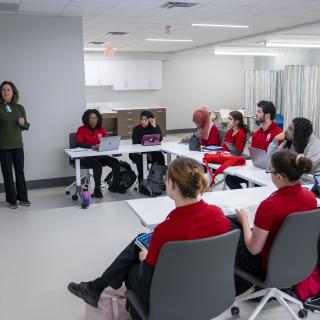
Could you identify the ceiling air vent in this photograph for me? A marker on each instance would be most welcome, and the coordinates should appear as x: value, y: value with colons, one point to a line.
x: 96, y: 42
x: 117, y: 33
x: 9, y: 7
x: 173, y: 4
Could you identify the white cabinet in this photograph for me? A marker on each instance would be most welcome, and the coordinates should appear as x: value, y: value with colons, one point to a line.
x: 98, y: 72
x: 149, y: 74
x: 124, y: 74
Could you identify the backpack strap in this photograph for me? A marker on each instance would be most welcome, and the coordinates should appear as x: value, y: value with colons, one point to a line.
x: 224, y: 165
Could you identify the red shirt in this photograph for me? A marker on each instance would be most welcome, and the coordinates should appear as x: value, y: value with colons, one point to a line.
x: 213, y: 138
x: 87, y: 136
x: 190, y: 222
x: 238, y: 139
x: 261, y: 139
x: 273, y: 211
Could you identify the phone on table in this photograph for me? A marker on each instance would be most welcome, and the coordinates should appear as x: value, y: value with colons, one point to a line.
x: 143, y: 241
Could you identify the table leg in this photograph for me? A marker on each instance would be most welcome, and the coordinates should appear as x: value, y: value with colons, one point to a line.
x: 144, y: 166
x: 78, y: 179
x: 168, y: 158
x: 251, y: 184
x: 224, y: 187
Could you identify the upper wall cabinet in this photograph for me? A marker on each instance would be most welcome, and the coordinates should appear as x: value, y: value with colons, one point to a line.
x: 98, y: 72
x: 124, y: 74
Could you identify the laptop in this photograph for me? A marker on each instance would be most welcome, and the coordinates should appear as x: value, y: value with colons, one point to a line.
x: 316, y: 187
x: 233, y: 150
x: 259, y: 157
x: 151, y: 139
x: 109, y: 143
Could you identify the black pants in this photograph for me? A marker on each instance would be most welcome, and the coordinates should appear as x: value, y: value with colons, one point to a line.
x: 245, y: 260
x: 127, y: 268
x: 233, y: 182
x: 97, y: 163
x: 153, y: 157
x: 15, y: 157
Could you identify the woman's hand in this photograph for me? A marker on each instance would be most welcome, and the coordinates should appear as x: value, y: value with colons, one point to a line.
x: 152, y: 122
x: 242, y: 216
x: 280, y: 137
x: 95, y: 147
x: 21, y: 122
x: 143, y: 254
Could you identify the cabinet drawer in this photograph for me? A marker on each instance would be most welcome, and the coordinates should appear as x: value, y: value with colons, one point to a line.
x: 129, y: 113
x: 125, y: 133
x: 126, y: 126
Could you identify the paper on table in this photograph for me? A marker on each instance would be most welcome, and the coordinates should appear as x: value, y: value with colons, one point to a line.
x: 78, y: 149
x: 250, y: 210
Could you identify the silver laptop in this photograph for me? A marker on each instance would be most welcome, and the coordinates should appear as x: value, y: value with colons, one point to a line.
x: 109, y: 143
x: 259, y: 157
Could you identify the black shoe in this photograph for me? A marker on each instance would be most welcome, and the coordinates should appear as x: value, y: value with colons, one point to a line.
x: 83, y: 291
x: 118, y: 189
x: 13, y: 206
x: 25, y: 203
x: 97, y: 193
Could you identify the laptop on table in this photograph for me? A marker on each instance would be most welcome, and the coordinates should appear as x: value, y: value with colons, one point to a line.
x: 259, y: 157
x: 233, y: 150
x: 151, y: 139
x: 109, y: 143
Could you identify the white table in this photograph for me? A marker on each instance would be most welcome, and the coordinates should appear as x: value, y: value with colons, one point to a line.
x: 123, y: 148
x: 153, y: 211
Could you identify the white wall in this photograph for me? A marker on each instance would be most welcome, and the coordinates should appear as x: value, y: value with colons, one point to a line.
x: 189, y: 81
x: 43, y: 56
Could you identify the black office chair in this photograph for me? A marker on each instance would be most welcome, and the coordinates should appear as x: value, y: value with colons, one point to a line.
x: 292, y: 258
x: 85, y: 178
x: 193, y: 279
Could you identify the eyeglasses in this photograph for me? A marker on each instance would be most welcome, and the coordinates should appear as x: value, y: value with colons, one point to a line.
x: 93, y: 119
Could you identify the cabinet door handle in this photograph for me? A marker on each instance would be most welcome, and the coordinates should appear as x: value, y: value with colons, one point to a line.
x: 159, y: 111
x: 129, y: 119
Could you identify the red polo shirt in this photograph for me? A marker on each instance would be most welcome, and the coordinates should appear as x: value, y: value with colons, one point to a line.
x: 213, y: 138
x: 273, y: 211
x: 194, y: 221
x: 261, y: 139
x: 238, y: 139
x: 87, y: 136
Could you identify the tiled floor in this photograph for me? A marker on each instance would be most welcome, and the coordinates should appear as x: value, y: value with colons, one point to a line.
x: 44, y: 247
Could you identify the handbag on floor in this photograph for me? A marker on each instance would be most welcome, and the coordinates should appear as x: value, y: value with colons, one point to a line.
x: 225, y: 159
x: 111, y: 306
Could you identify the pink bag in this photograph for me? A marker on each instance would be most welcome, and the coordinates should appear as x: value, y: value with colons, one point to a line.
x: 111, y: 306
x: 309, y: 287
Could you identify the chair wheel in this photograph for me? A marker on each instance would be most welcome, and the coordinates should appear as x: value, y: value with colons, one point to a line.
x: 84, y: 205
x: 67, y: 192
x: 75, y: 197
x: 302, y: 313
x: 235, y: 311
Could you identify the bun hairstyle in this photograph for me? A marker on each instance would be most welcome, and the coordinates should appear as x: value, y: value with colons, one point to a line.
x: 291, y: 164
x: 188, y: 175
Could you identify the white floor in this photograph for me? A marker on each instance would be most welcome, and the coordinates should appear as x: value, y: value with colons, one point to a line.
x: 44, y: 247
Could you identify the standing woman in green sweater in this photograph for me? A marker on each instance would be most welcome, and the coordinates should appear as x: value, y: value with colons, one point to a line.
x: 12, y: 121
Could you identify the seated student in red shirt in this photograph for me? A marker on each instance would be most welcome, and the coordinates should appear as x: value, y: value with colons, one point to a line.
x: 261, y: 138
x: 89, y: 136
x: 191, y: 219
x: 286, y: 168
x: 237, y: 134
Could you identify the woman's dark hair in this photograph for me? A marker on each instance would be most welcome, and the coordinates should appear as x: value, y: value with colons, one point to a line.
x: 86, y: 115
x: 291, y: 164
x: 237, y: 116
x: 302, y: 132
x: 189, y: 177
x: 267, y: 107
x: 15, y: 97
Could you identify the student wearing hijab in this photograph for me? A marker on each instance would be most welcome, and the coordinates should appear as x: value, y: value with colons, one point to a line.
x: 147, y: 126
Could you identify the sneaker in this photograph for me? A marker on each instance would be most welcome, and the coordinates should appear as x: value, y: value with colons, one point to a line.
x: 83, y: 291
x: 25, y: 203
x: 13, y: 205
x: 97, y: 194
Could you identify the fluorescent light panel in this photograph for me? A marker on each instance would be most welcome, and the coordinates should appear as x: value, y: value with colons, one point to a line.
x: 293, y: 44
x: 218, y: 25
x: 168, y: 40
x: 245, y: 52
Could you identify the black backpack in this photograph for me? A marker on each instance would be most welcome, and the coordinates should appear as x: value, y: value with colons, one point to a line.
x: 127, y: 175
x: 155, y: 184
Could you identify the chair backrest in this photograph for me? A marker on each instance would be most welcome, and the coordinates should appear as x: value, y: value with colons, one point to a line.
x: 222, y: 134
x: 194, y: 279
x: 72, y: 140
x: 294, y: 253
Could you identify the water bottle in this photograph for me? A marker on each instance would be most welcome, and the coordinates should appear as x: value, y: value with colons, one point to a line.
x: 86, y: 198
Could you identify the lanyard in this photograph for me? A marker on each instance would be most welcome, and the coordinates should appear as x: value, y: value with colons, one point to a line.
x: 8, y: 108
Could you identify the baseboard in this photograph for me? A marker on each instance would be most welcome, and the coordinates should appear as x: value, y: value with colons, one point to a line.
x: 180, y: 131
x: 46, y: 183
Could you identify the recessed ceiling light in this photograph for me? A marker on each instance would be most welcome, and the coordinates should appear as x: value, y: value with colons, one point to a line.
x: 293, y: 44
x: 168, y: 40
x: 218, y: 25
